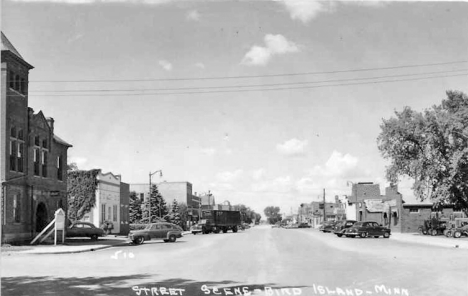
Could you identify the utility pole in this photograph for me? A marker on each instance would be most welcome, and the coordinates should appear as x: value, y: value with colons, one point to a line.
x: 149, y: 195
x: 324, y: 207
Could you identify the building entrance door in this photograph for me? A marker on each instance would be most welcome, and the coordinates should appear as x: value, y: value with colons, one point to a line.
x: 41, y: 217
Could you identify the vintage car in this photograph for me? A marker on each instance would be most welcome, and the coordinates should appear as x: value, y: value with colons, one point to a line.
x: 196, y: 228
x: 341, y: 226
x: 327, y: 226
x: 368, y: 228
x: 168, y: 232
x: 303, y: 225
x: 84, y: 229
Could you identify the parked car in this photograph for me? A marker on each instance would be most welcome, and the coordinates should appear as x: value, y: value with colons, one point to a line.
x: 196, y: 228
x: 368, y: 228
x: 304, y: 225
x: 327, y: 226
x: 84, y: 229
x: 168, y: 232
x: 342, y: 225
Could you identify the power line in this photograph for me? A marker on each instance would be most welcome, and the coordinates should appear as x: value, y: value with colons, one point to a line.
x: 249, y: 90
x: 250, y: 76
x: 246, y: 86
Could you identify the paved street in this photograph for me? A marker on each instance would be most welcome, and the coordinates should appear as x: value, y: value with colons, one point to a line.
x: 259, y: 261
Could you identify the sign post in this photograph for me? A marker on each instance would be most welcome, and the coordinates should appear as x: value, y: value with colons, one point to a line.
x: 59, y: 224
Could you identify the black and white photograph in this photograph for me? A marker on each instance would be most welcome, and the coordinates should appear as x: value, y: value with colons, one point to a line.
x: 234, y: 148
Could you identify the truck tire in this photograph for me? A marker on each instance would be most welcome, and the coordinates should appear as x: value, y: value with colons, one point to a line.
x: 234, y: 229
x: 225, y: 229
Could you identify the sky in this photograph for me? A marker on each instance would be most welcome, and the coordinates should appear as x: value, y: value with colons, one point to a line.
x: 265, y: 103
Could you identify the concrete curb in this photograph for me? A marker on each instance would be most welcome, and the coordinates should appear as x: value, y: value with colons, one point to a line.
x: 91, y: 249
x: 459, y: 243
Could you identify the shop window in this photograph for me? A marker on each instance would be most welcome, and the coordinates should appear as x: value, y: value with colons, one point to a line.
x: 414, y: 211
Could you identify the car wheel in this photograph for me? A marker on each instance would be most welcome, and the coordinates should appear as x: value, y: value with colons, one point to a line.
x: 139, y: 240
x: 194, y: 233
x: 172, y: 238
x: 94, y: 237
x: 386, y: 235
x: 376, y: 236
x: 457, y: 234
x: 434, y: 232
x: 363, y: 234
x: 339, y: 235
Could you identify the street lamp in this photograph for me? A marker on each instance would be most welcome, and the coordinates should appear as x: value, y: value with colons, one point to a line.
x: 149, y: 194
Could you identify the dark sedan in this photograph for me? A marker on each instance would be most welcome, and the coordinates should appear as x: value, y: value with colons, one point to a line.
x: 327, y: 226
x: 84, y: 229
x: 168, y: 232
x: 304, y: 225
x: 341, y: 227
x: 365, y: 229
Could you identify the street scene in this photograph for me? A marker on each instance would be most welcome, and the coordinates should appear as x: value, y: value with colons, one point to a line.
x: 257, y: 261
x: 276, y: 147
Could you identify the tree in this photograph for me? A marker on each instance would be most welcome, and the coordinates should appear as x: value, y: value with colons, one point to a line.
x: 272, y: 214
x: 72, y: 166
x: 81, y: 192
x: 432, y: 148
x: 155, y: 206
x: 134, y: 207
x: 174, y: 215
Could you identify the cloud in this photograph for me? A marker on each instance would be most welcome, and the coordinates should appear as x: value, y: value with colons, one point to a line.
x: 200, y: 65
x: 278, y: 185
x: 149, y: 2
x: 229, y: 176
x: 193, y: 15
x: 208, y: 151
x: 293, y: 147
x: 165, y: 65
x: 304, y: 10
x: 258, y: 174
x: 307, y: 10
x: 274, y: 45
x: 80, y: 161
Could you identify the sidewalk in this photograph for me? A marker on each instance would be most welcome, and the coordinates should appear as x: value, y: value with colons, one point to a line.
x: 439, y: 240
x: 72, y: 245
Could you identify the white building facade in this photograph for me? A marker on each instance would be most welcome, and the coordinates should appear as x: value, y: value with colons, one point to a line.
x: 107, y: 208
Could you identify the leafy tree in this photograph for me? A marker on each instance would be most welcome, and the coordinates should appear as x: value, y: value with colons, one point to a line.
x: 432, y: 148
x: 154, y: 207
x: 81, y: 192
x: 72, y: 166
x: 272, y: 213
x: 135, y: 208
x: 174, y: 215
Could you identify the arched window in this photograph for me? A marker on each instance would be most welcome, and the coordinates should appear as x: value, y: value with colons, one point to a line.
x: 17, y: 82
x: 23, y: 86
x: 12, y: 79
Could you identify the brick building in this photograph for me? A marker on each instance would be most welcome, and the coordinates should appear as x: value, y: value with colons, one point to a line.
x: 33, y: 162
x: 413, y: 215
x: 367, y: 204
x: 313, y: 213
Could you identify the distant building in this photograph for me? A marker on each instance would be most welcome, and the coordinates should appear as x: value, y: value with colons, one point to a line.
x: 170, y: 191
x: 313, y: 213
x: 367, y: 204
x: 34, y: 159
